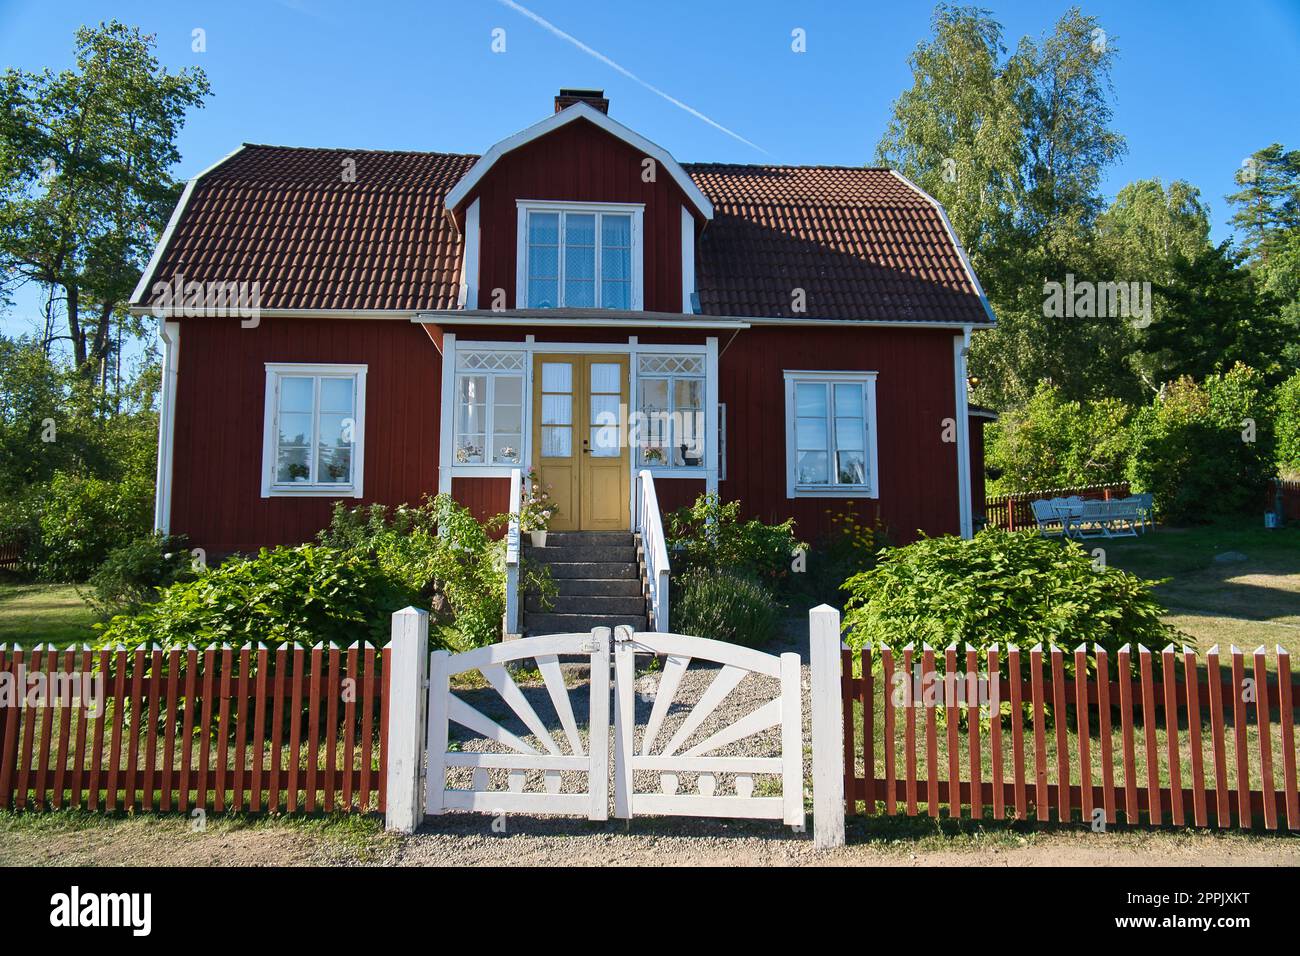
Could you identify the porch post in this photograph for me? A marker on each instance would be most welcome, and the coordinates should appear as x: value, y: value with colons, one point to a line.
x: 711, y: 416
x: 447, y: 416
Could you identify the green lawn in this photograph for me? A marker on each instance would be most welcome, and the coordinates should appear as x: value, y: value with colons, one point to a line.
x: 33, y: 614
x: 1251, y: 601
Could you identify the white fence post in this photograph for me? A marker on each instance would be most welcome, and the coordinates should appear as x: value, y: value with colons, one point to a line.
x: 827, y: 727
x: 408, y: 663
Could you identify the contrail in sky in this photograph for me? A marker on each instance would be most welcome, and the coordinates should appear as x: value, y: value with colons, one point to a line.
x: 548, y: 25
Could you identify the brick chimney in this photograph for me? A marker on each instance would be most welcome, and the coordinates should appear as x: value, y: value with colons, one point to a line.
x: 594, y: 98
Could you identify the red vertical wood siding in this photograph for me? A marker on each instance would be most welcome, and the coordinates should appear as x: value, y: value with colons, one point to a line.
x: 914, y: 394
x: 579, y: 163
x: 221, y: 388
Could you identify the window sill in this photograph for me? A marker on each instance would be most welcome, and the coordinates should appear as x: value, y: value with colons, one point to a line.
x: 312, y: 491
x: 465, y: 470
x: 833, y: 491
x: 664, y: 471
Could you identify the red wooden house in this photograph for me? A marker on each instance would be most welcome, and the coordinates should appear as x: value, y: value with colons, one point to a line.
x: 378, y: 326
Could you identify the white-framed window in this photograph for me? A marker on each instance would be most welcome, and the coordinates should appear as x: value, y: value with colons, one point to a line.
x: 314, y: 430
x: 579, y: 255
x: 830, y: 420
x: 490, y: 401
x: 670, y: 426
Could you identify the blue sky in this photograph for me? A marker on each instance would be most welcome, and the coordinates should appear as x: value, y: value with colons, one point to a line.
x: 1198, y: 85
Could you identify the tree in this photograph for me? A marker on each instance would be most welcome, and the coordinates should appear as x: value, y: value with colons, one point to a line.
x: 1215, y: 316
x: 1014, y: 147
x: 86, y: 188
x: 1268, y: 204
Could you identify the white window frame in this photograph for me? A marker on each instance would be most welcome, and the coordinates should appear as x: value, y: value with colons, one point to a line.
x: 793, y: 488
x: 669, y: 469
x: 636, y: 210
x: 487, y: 467
x: 272, y: 489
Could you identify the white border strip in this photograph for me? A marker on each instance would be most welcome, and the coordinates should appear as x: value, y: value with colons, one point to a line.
x: 170, y: 333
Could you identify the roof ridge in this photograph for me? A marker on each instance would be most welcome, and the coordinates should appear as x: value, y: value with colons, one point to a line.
x: 345, y: 149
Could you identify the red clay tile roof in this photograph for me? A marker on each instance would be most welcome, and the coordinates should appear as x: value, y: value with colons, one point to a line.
x: 286, y: 218
x: 860, y: 242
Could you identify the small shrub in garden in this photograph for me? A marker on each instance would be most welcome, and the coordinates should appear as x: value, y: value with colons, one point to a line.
x: 709, y: 535
x: 850, y: 546
x: 724, y: 606
x: 133, y: 574
x: 302, y: 595
x: 1000, y: 587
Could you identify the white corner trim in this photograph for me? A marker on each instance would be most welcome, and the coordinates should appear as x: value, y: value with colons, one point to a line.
x: 688, y: 260
x: 447, y: 411
x: 637, y: 252
x: 578, y: 111
x: 952, y: 234
x: 792, y: 487
x: 170, y: 333
x: 960, y: 345
x: 146, y: 278
x: 354, y: 490
x: 468, y: 298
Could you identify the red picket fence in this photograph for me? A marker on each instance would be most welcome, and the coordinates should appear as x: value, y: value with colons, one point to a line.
x: 1091, y: 759
x: 10, y: 554
x: 1011, y: 512
x: 223, y: 729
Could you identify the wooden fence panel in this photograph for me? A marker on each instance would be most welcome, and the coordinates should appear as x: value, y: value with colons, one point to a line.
x: 118, y: 729
x: 1092, y: 714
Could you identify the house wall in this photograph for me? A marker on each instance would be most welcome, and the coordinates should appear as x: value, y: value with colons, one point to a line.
x: 914, y: 394
x: 221, y: 388
x: 579, y: 163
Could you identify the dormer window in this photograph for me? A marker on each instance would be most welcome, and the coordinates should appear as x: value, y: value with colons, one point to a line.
x: 579, y: 256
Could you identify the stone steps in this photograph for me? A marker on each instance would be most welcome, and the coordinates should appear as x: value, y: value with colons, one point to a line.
x: 598, y: 578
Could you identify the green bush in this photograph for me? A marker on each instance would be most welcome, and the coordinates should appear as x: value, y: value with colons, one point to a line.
x: 68, y: 527
x: 1205, y: 449
x: 1000, y: 587
x: 710, y: 536
x: 1286, y: 410
x: 1052, y: 443
x: 302, y: 595
x: 134, y: 573
x: 724, y: 606
x: 439, y: 552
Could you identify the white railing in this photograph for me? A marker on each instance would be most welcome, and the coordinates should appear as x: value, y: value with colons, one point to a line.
x: 510, y: 624
x: 650, y: 526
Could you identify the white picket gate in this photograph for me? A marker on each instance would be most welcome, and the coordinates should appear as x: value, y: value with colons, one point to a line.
x: 563, y: 751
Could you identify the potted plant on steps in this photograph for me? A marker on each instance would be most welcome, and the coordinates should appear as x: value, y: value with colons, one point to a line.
x: 535, y: 509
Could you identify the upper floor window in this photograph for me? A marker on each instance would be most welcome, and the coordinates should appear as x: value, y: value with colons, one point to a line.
x: 579, y: 256
x: 314, y: 425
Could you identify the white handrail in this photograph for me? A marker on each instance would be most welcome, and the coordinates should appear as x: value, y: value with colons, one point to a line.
x: 649, y: 524
x: 510, y: 625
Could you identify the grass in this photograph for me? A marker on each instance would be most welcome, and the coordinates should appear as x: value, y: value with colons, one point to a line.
x: 1248, y: 602
x: 33, y: 614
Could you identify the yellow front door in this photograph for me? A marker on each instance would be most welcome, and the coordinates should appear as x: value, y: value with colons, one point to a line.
x: 579, y: 439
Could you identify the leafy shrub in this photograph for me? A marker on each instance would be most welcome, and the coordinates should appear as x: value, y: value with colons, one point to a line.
x: 439, y: 552
x: 724, y: 606
x: 133, y: 574
x: 1049, y: 442
x: 849, y: 546
x: 1000, y: 587
x: 1286, y: 406
x: 302, y: 595
x: 68, y: 527
x: 710, y: 536
x: 1205, y: 449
